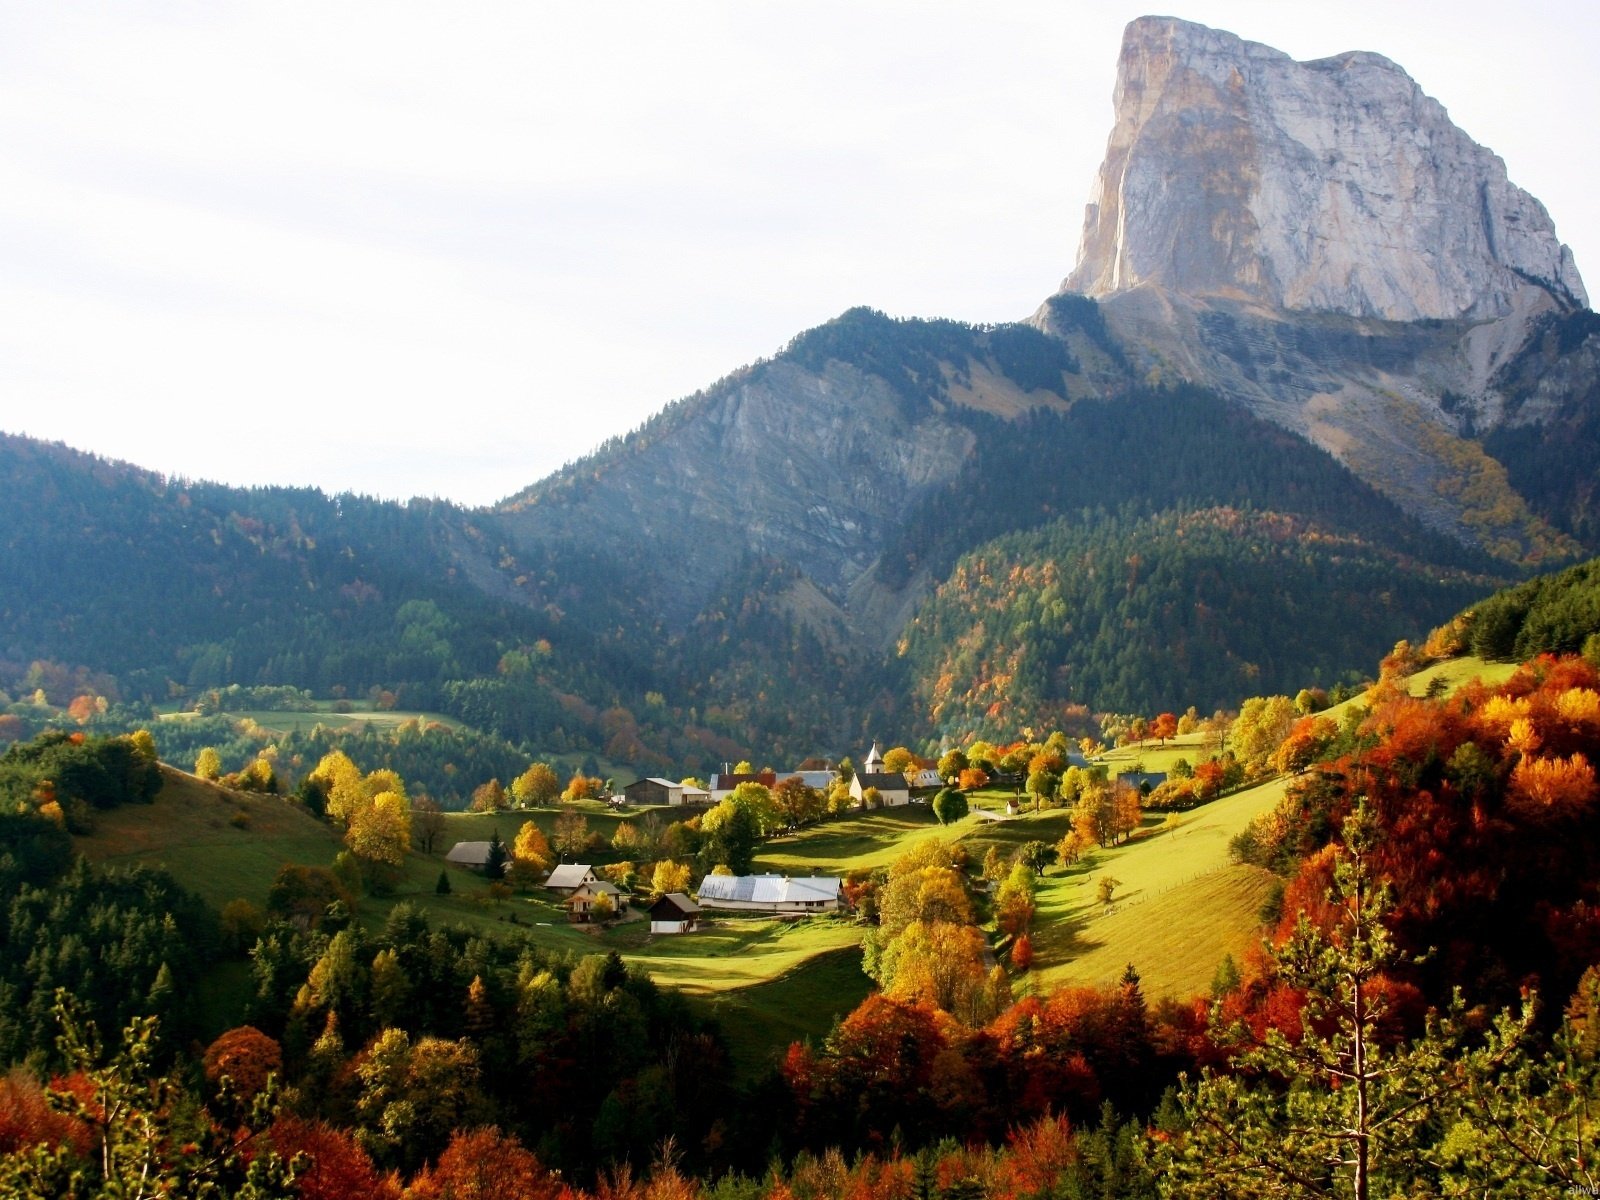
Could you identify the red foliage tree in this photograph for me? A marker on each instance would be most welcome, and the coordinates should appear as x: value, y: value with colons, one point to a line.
x: 27, y: 1120
x: 336, y: 1166
x: 245, y: 1055
x: 484, y: 1164
x: 1022, y: 953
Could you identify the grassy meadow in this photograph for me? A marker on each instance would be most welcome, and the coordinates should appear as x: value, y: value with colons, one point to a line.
x: 1180, y: 904
x: 222, y: 844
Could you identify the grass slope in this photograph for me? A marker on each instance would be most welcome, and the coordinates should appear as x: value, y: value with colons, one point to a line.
x: 853, y: 843
x: 222, y: 844
x: 1181, y: 904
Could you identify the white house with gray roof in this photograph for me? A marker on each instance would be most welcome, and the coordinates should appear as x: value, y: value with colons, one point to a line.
x: 770, y: 893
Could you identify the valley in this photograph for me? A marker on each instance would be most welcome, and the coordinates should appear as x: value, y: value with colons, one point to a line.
x: 1226, y: 637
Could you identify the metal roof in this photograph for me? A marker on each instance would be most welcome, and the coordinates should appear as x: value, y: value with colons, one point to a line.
x: 768, y: 889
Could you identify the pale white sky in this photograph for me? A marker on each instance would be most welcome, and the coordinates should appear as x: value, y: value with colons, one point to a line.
x: 440, y: 249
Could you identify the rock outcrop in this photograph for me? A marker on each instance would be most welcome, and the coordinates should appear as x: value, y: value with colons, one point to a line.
x: 1336, y: 186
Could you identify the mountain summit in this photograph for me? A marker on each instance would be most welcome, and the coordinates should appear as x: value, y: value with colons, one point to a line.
x: 1334, y: 186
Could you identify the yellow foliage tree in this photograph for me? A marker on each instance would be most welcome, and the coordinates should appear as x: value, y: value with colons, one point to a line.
x: 669, y: 876
x: 532, y: 848
x: 342, y: 781
x: 381, y: 831
x: 940, y: 965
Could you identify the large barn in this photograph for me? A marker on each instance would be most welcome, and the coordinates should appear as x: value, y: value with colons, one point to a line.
x: 770, y: 893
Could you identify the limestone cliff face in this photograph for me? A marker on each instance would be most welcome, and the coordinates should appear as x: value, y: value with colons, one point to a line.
x: 1337, y: 186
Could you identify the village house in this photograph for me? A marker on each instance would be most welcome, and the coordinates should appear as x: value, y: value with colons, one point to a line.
x: 775, y: 894
x: 674, y: 913
x: 580, y: 904
x: 569, y: 877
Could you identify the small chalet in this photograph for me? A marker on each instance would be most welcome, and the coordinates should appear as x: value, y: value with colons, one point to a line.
x: 569, y: 877
x: 581, y: 903
x: 722, y: 785
x: 674, y: 913
x: 472, y: 855
x: 891, y: 785
x: 770, y: 893
x: 924, y: 777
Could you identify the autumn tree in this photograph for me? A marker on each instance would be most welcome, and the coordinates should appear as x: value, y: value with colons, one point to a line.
x: 427, y: 823
x: 1022, y: 953
x: 897, y: 759
x: 247, y: 1058
x: 341, y: 782
x: 208, y: 764
x: 971, y: 779
x: 379, y: 834
x: 669, y: 877
x: 582, y: 787
x: 941, y: 965
x: 414, y: 1095
x: 571, y: 831
x: 1042, y: 785
x: 1262, y: 724
x: 489, y: 797
x: 539, y: 784
x: 531, y: 849
x: 1164, y: 726
x: 1363, y: 1115
x: 951, y: 764
x: 484, y: 1164
x: 796, y: 802
x: 1126, y: 810
x: 1014, y: 902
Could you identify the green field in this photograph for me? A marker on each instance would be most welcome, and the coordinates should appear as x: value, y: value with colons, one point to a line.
x: 852, y: 843
x: 283, y: 721
x: 1458, y: 671
x: 1181, y: 904
x: 224, y: 845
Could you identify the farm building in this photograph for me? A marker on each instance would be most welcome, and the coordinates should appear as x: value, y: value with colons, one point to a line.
x: 569, y: 877
x: 891, y: 787
x: 581, y: 902
x: 770, y: 893
x: 674, y: 913
x: 654, y: 791
x: 472, y: 855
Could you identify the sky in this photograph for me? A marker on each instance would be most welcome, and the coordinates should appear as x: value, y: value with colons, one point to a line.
x: 440, y: 249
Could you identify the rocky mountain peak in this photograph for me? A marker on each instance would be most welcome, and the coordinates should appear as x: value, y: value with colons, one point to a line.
x: 1234, y: 172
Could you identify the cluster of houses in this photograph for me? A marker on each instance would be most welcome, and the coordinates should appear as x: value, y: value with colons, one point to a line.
x: 776, y: 895
x: 894, y: 787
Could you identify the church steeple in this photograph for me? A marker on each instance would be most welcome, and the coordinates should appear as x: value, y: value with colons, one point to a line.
x: 874, y: 763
